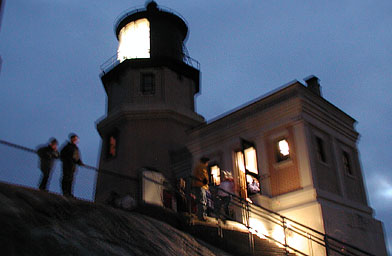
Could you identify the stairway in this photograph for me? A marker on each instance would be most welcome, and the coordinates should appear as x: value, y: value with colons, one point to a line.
x: 234, y: 240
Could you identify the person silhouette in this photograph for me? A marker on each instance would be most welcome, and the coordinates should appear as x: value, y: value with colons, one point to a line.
x: 70, y: 156
x: 47, y: 155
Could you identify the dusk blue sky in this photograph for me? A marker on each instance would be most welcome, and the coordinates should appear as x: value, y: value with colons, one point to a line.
x: 52, y: 51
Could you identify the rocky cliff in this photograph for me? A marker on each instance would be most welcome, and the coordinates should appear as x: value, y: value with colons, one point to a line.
x: 38, y: 223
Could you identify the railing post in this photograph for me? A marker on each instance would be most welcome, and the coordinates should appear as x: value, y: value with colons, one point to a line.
x: 310, y: 244
x: 284, y: 232
x: 188, y: 192
x: 326, y: 244
x: 251, y: 241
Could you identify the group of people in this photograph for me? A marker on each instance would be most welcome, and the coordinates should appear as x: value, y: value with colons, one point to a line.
x: 70, y: 158
x: 200, y: 189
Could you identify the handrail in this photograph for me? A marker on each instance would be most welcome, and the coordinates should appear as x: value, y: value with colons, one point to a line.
x: 104, y: 171
x: 325, y: 236
x: 109, y: 64
x: 267, y: 236
x: 323, y: 240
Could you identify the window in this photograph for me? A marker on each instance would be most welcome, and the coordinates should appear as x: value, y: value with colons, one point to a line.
x: 320, y: 150
x: 251, y: 171
x: 347, y: 164
x: 147, y: 84
x: 215, y: 174
x: 134, y: 40
x: 246, y: 162
x: 112, y: 145
x: 282, y: 150
x: 251, y: 160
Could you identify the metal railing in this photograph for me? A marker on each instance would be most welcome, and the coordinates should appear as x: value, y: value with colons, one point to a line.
x: 109, y: 64
x: 286, y: 232
x: 84, y: 166
x: 289, y: 233
x: 113, y: 61
x: 191, y: 62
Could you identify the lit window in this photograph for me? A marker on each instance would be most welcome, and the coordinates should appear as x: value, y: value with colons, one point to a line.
x: 251, y: 160
x: 112, y: 146
x: 215, y: 174
x: 246, y: 162
x: 346, y: 163
x: 320, y: 150
x: 147, y: 84
x: 134, y: 40
x: 283, y: 150
x: 284, y: 147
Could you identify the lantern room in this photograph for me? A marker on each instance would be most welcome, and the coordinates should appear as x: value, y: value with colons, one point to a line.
x: 150, y: 32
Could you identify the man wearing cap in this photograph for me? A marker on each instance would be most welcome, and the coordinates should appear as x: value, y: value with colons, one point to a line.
x: 70, y: 156
x: 200, y: 187
x: 47, y: 154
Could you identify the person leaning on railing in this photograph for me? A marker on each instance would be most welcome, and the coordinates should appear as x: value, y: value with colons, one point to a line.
x: 200, y: 187
x: 225, y: 190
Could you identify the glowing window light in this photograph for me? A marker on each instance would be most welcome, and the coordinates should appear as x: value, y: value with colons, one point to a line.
x: 112, y: 146
x: 249, y: 179
x: 251, y: 160
x: 215, y: 173
x: 134, y: 40
x: 240, y: 161
x: 284, y: 147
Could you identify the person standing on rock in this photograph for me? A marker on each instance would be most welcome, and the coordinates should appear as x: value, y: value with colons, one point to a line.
x: 70, y: 156
x: 47, y: 155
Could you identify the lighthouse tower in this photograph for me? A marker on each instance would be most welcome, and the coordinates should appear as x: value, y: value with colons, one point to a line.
x: 150, y: 86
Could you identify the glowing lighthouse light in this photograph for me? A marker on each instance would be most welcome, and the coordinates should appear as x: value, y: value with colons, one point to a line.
x: 134, y: 40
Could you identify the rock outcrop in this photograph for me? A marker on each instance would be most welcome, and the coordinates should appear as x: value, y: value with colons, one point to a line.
x: 38, y: 223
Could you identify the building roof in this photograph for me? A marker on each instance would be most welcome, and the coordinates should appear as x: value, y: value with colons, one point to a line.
x: 279, y: 95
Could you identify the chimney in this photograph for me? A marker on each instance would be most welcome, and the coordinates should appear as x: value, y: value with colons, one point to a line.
x: 313, y: 84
